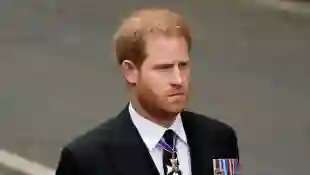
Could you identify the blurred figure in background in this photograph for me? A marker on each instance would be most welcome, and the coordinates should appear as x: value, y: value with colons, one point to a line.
x: 153, y: 134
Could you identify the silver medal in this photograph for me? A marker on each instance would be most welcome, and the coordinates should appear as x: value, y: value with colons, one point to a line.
x: 174, y: 168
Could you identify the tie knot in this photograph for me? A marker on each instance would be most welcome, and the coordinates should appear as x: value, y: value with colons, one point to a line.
x: 168, y: 136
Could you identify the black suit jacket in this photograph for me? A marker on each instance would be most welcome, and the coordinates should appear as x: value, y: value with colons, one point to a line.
x: 116, y: 148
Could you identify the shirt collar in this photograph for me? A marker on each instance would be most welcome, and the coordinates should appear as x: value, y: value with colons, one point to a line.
x: 151, y: 132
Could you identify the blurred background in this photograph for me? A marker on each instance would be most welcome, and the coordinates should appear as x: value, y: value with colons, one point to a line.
x: 58, y: 76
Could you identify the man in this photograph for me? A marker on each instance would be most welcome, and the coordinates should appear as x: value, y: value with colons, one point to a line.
x: 153, y: 134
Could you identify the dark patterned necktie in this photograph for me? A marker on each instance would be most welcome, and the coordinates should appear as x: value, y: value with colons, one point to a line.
x: 168, y: 154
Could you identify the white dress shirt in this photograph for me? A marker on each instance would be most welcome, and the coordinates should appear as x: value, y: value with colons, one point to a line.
x: 151, y: 133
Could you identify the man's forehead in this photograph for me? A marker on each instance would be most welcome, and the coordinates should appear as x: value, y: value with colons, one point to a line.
x: 168, y: 60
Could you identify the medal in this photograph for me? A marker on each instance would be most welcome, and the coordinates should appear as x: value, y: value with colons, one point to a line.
x: 226, y: 166
x: 174, y: 168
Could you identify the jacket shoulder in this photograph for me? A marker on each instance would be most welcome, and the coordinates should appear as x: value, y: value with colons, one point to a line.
x: 91, y: 142
x: 209, y: 124
x: 222, y: 135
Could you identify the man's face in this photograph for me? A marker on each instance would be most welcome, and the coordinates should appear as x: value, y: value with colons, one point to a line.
x: 163, y: 78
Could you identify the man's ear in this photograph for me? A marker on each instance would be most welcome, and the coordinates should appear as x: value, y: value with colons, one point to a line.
x: 130, y: 72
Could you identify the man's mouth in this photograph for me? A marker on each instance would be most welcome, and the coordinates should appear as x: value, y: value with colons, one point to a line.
x: 176, y: 94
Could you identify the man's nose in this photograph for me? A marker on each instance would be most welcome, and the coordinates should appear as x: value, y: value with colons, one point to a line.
x: 177, y: 77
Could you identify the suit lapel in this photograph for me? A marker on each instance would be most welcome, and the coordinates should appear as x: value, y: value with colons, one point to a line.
x: 129, y: 153
x: 200, y: 145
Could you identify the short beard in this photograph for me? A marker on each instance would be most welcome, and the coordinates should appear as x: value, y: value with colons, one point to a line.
x: 151, y: 110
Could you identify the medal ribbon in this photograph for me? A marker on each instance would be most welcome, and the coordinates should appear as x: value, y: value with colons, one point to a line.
x: 164, y: 145
x: 174, y: 168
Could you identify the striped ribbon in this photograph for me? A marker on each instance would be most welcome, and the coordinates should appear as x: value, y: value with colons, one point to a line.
x: 226, y: 166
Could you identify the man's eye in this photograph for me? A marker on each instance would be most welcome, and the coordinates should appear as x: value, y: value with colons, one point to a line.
x: 164, y: 66
x: 183, y: 65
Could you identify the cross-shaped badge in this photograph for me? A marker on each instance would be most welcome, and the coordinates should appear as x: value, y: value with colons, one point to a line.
x: 174, y: 168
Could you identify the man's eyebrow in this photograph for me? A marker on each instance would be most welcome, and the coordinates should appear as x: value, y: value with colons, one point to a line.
x: 163, y: 65
x: 171, y: 64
